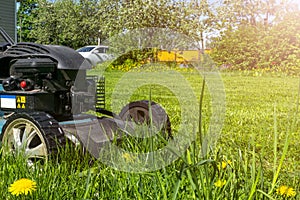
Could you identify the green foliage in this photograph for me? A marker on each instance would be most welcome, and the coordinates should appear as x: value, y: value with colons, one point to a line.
x: 135, y: 55
x: 77, y: 23
x: 237, y: 49
x: 26, y: 16
x: 245, y: 12
x: 132, y: 60
x: 65, y: 22
x: 259, y: 47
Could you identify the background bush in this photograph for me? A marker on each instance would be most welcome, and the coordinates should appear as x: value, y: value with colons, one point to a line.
x: 260, y: 46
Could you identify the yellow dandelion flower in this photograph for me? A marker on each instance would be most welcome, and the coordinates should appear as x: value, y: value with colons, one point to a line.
x: 229, y: 162
x: 224, y: 164
x: 286, y: 191
x: 220, y: 183
x: 22, y: 186
x: 282, y: 190
x: 128, y: 157
x: 290, y: 192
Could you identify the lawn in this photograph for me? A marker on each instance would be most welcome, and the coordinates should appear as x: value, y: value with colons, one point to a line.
x: 256, y: 151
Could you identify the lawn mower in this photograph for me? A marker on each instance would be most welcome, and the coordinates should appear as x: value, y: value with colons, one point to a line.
x: 45, y: 98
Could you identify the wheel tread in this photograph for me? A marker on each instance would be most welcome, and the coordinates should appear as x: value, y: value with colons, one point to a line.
x: 49, y: 127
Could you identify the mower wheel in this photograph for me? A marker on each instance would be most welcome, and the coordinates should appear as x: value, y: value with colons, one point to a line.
x: 139, y: 113
x: 35, y: 135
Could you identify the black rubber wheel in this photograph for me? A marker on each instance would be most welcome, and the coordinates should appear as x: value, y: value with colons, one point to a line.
x: 139, y: 113
x: 36, y: 135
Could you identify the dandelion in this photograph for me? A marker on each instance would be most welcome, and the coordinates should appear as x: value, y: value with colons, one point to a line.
x: 286, y: 191
x: 291, y: 192
x: 224, y: 164
x: 22, y: 186
x: 128, y: 157
x: 282, y: 190
x: 220, y: 183
x: 229, y: 162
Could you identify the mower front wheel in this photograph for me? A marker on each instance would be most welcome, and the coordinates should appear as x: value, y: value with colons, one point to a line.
x: 35, y: 135
x: 146, y: 112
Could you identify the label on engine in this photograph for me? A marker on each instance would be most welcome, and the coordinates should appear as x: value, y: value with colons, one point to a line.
x: 21, y: 101
x: 8, y: 101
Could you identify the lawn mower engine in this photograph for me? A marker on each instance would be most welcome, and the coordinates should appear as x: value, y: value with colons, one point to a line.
x: 40, y: 83
x: 44, y: 96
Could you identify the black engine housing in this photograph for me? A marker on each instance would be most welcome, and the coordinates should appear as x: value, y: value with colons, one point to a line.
x: 45, y: 78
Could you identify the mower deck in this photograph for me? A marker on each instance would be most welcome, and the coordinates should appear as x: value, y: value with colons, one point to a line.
x: 93, y: 132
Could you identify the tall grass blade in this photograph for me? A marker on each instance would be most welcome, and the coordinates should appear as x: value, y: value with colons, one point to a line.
x: 254, y: 176
x: 298, y: 99
x: 285, y: 149
x: 275, y: 145
x: 87, y: 187
x: 200, y: 112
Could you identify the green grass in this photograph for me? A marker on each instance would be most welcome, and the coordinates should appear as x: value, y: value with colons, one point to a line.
x: 260, y: 136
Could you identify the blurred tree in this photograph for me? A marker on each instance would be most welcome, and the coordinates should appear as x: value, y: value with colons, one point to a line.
x: 25, y: 20
x: 253, y: 12
x: 66, y: 22
x: 250, y: 46
x: 202, y: 20
x: 79, y: 22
